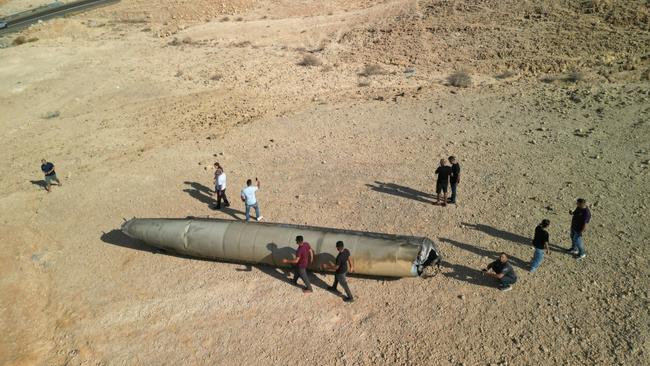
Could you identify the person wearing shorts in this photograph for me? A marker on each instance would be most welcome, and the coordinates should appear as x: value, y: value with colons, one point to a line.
x: 50, y: 175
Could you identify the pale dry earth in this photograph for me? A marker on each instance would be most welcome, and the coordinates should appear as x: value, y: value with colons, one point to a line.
x: 150, y: 94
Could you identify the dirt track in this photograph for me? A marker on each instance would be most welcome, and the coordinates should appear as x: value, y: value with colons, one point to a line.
x: 142, y: 118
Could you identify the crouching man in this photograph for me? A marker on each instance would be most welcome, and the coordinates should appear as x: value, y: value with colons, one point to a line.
x: 341, y: 267
x: 503, y: 271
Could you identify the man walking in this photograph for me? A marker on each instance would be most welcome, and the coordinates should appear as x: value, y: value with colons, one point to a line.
x: 250, y: 200
x: 442, y: 184
x: 503, y: 272
x: 454, y: 179
x: 50, y: 175
x: 220, y: 186
x: 540, y: 242
x: 579, y: 221
x: 304, y: 256
x: 342, y: 265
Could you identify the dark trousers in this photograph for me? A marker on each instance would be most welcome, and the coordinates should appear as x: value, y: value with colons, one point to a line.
x: 341, y: 278
x: 454, y: 185
x: 302, y: 273
x: 221, y: 195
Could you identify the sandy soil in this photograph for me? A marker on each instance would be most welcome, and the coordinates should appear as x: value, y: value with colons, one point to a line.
x: 150, y: 94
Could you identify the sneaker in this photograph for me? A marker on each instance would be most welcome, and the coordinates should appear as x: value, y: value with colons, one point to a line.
x: 533, y: 270
x: 571, y: 251
x: 332, y: 288
x: 348, y: 299
x: 505, y: 289
x: 581, y: 256
x: 260, y: 218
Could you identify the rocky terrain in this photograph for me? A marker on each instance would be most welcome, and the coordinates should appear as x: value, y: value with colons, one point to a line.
x: 343, y: 111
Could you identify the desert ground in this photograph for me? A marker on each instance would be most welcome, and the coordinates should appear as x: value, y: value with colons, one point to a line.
x: 342, y: 109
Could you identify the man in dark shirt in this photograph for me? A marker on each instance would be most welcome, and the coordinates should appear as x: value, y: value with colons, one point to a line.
x: 455, y: 178
x: 579, y: 221
x: 341, y: 267
x: 503, y: 271
x: 304, y: 256
x: 442, y: 184
x: 50, y: 175
x: 540, y: 242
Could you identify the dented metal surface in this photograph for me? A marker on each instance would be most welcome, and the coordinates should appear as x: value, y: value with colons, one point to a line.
x: 374, y: 254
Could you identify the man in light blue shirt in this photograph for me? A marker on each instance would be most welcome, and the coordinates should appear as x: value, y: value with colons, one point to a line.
x: 249, y: 199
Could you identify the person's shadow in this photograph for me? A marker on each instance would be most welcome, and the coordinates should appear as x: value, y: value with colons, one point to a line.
x: 467, y: 274
x: 401, y: 191
x: 205, y: 195
x: 40, y: 183
x: 506, y: 235
x: 485, y: 252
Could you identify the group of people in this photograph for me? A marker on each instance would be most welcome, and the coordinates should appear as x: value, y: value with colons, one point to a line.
x: 447, y: 175
x: 247, y: 195
x: 502, y: 269
x: 341, y: 266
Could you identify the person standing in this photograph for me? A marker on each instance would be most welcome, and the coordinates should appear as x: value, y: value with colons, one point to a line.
x: 50, y: 175
x: 341, y: 266
x: 442, y: 184
x: 540, y: 242
x: 581, y: 217
x: 304, y: 256
x: 250, y: 200
x: 454, y: 179
x: 220, y: 186
x: 503, y: 272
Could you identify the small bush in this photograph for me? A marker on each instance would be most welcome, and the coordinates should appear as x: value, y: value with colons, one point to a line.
x: 52, y: 114
x: 239, y: 19
x: 19, y: 40
x: 187, y: 40
x: 460, y: 79
x: 370, y: 70
x: 548, y: 79
x: 505, y: 75
x: 310, y: 60
x: 363, y: 83
x: 225, y: 19
x: 216, y: 77
x: 574, y: 77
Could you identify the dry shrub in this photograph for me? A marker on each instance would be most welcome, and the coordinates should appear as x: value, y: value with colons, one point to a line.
x: 574, y: 77
x: 187, y: 40
x: 506, y: 74
x: 460, y: 79
x: 310, y: 60
x: 242, y: 44
x: 370, y: 70
x: 239, y: 19
x: 225, y: 19
x: 216, y: 77
x: 19, y: 40
x: 363, y: 83
x: 548, y: 79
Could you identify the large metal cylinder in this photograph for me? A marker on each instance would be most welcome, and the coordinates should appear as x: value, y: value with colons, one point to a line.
x: 268, y: 243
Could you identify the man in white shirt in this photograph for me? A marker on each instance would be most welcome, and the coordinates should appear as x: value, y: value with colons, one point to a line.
x: 220, y: 187
x: 249, y: 199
